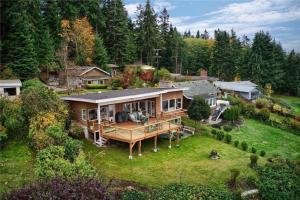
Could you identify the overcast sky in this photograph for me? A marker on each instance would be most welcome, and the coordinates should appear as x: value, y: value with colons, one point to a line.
x: 280, y: 17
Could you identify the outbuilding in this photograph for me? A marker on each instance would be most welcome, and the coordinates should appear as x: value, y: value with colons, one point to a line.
x: 10, y: 88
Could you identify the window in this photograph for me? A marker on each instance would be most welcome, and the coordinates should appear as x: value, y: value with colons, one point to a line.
x: 89, y: 82
x: 178, y: 103
x: 172, y: 104
x: 104, y: 112
x: 142, y: 106
x: 127, y: 107
x: 10, y: 91
x: 135, y: 107
x: 83, y: 114
x: 165, y: 105
x: 92, y: 114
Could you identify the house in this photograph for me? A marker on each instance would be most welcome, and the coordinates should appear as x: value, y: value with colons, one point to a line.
x: 129, y: 116
x: 77, y: 76
x: 202, y: 88
x: 10, y: 88
x: 203, y: 76
x: 113, y: 68
x: 245, y: 89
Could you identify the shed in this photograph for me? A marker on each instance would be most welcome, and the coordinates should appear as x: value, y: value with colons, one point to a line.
x: 10, y: 88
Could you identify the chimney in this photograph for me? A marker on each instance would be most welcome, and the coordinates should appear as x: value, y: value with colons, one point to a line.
x: 165, y: 84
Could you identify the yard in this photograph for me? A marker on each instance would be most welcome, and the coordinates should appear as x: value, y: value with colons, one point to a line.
x: 270, y: 139
x: 190, y: 163
x: 293, y: 102
x: 16, y: 165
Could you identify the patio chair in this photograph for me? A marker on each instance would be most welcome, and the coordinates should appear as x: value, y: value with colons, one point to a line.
x: 134, y: 117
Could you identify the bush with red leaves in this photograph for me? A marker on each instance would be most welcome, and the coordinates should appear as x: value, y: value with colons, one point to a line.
x: 59, y: 189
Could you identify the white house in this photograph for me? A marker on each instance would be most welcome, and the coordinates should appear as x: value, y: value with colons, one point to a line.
x: 246, y: 89
x: 10, y: 88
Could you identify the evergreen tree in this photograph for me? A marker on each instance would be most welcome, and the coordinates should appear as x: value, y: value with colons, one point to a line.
x: 52, y: 18
x: 46, y: 51
x: 266, y: 61
x: 198, y: 34
x: 147, y: 32
x: 292, y: 74
x: 205, y: 35
x: 100, y: 54
x: 117, y: 38
x: 164, y: 30
x: 222, y: 65
x: 20, y: 44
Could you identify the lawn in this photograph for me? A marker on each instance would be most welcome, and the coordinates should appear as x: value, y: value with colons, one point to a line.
x: 16, y: 166
x: 293, y: 102
x: 268, y: 138
x: 83, y: 91
x: 190, y: 163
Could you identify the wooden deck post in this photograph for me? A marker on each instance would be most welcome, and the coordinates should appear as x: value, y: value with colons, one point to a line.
x: 177, y: 138
x: 140, y: 148
x: 155, y: 144
x: 130, y: 150
x: 170, y: 139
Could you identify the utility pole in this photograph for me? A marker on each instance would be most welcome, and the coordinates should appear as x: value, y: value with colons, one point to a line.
x: 157, y: 56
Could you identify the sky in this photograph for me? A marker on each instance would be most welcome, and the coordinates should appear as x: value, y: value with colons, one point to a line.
x: 281, y: 18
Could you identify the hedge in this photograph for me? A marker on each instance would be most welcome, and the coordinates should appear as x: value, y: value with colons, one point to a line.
x: 96, y: 86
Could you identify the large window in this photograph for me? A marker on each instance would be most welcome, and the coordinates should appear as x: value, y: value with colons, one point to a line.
x: 172, y: 105
x: 92, y: 114
x: 178, y: 103
x: 165, y: 105
x: 10, y: 91
x: 127, y: 107
x: 83, y: 114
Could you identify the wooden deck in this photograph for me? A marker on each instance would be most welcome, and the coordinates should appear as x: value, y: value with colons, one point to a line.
x: 132, y: 132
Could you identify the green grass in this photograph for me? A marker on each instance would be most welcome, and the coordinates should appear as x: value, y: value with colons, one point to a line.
x: 268, y: 138
x: 190, y: 163
x: 294, y: 102
x: 16, y: 166
x: 83, y: 91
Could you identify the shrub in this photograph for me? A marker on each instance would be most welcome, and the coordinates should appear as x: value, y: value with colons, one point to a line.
x: 198, y: 109
x: 248, y: 110
x: 253, y: 150
x: 262, y: 103
x: 32, y: 84
x: 236, y: 143
x: 76, y: 131
x: 244, y: 146
x: 234, y: 175
x: 220, y: 135
x: 228, y: 128
x: 279, y: 180
x: 214, y: 131
x: 294, y: 124
x: 228, y: 138
x: 232, y: 113
x: 72, y: 148
x: 134, y: 194
x: 41, y: 141
x: 50, y: 163
x: 262, y: 153
x: 189, y: 192
x: 116, y: 83
x: 57, y: 133
x: 277, y: 108
x: 59, y: 188
x: 253, y: 160
x: 263, y: 115
x: 3, y: 136
x: 96, y: 86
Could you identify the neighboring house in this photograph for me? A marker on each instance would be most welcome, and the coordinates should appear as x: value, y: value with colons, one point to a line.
x: 245, y: 89
x: 78, y: 76
x: 10, y: 88
x: 129, y: 116
x: 201, y: 88
x: 114, y: 69
x: 203, y: 76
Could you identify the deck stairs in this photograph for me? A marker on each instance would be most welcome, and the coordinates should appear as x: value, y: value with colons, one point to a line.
x: 101, y: 142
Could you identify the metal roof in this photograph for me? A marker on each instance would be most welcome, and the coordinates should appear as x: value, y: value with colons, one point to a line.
x: 117, y: 95
x: 201, y: 88
x: 240, y: 86
x: 10, y: 83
